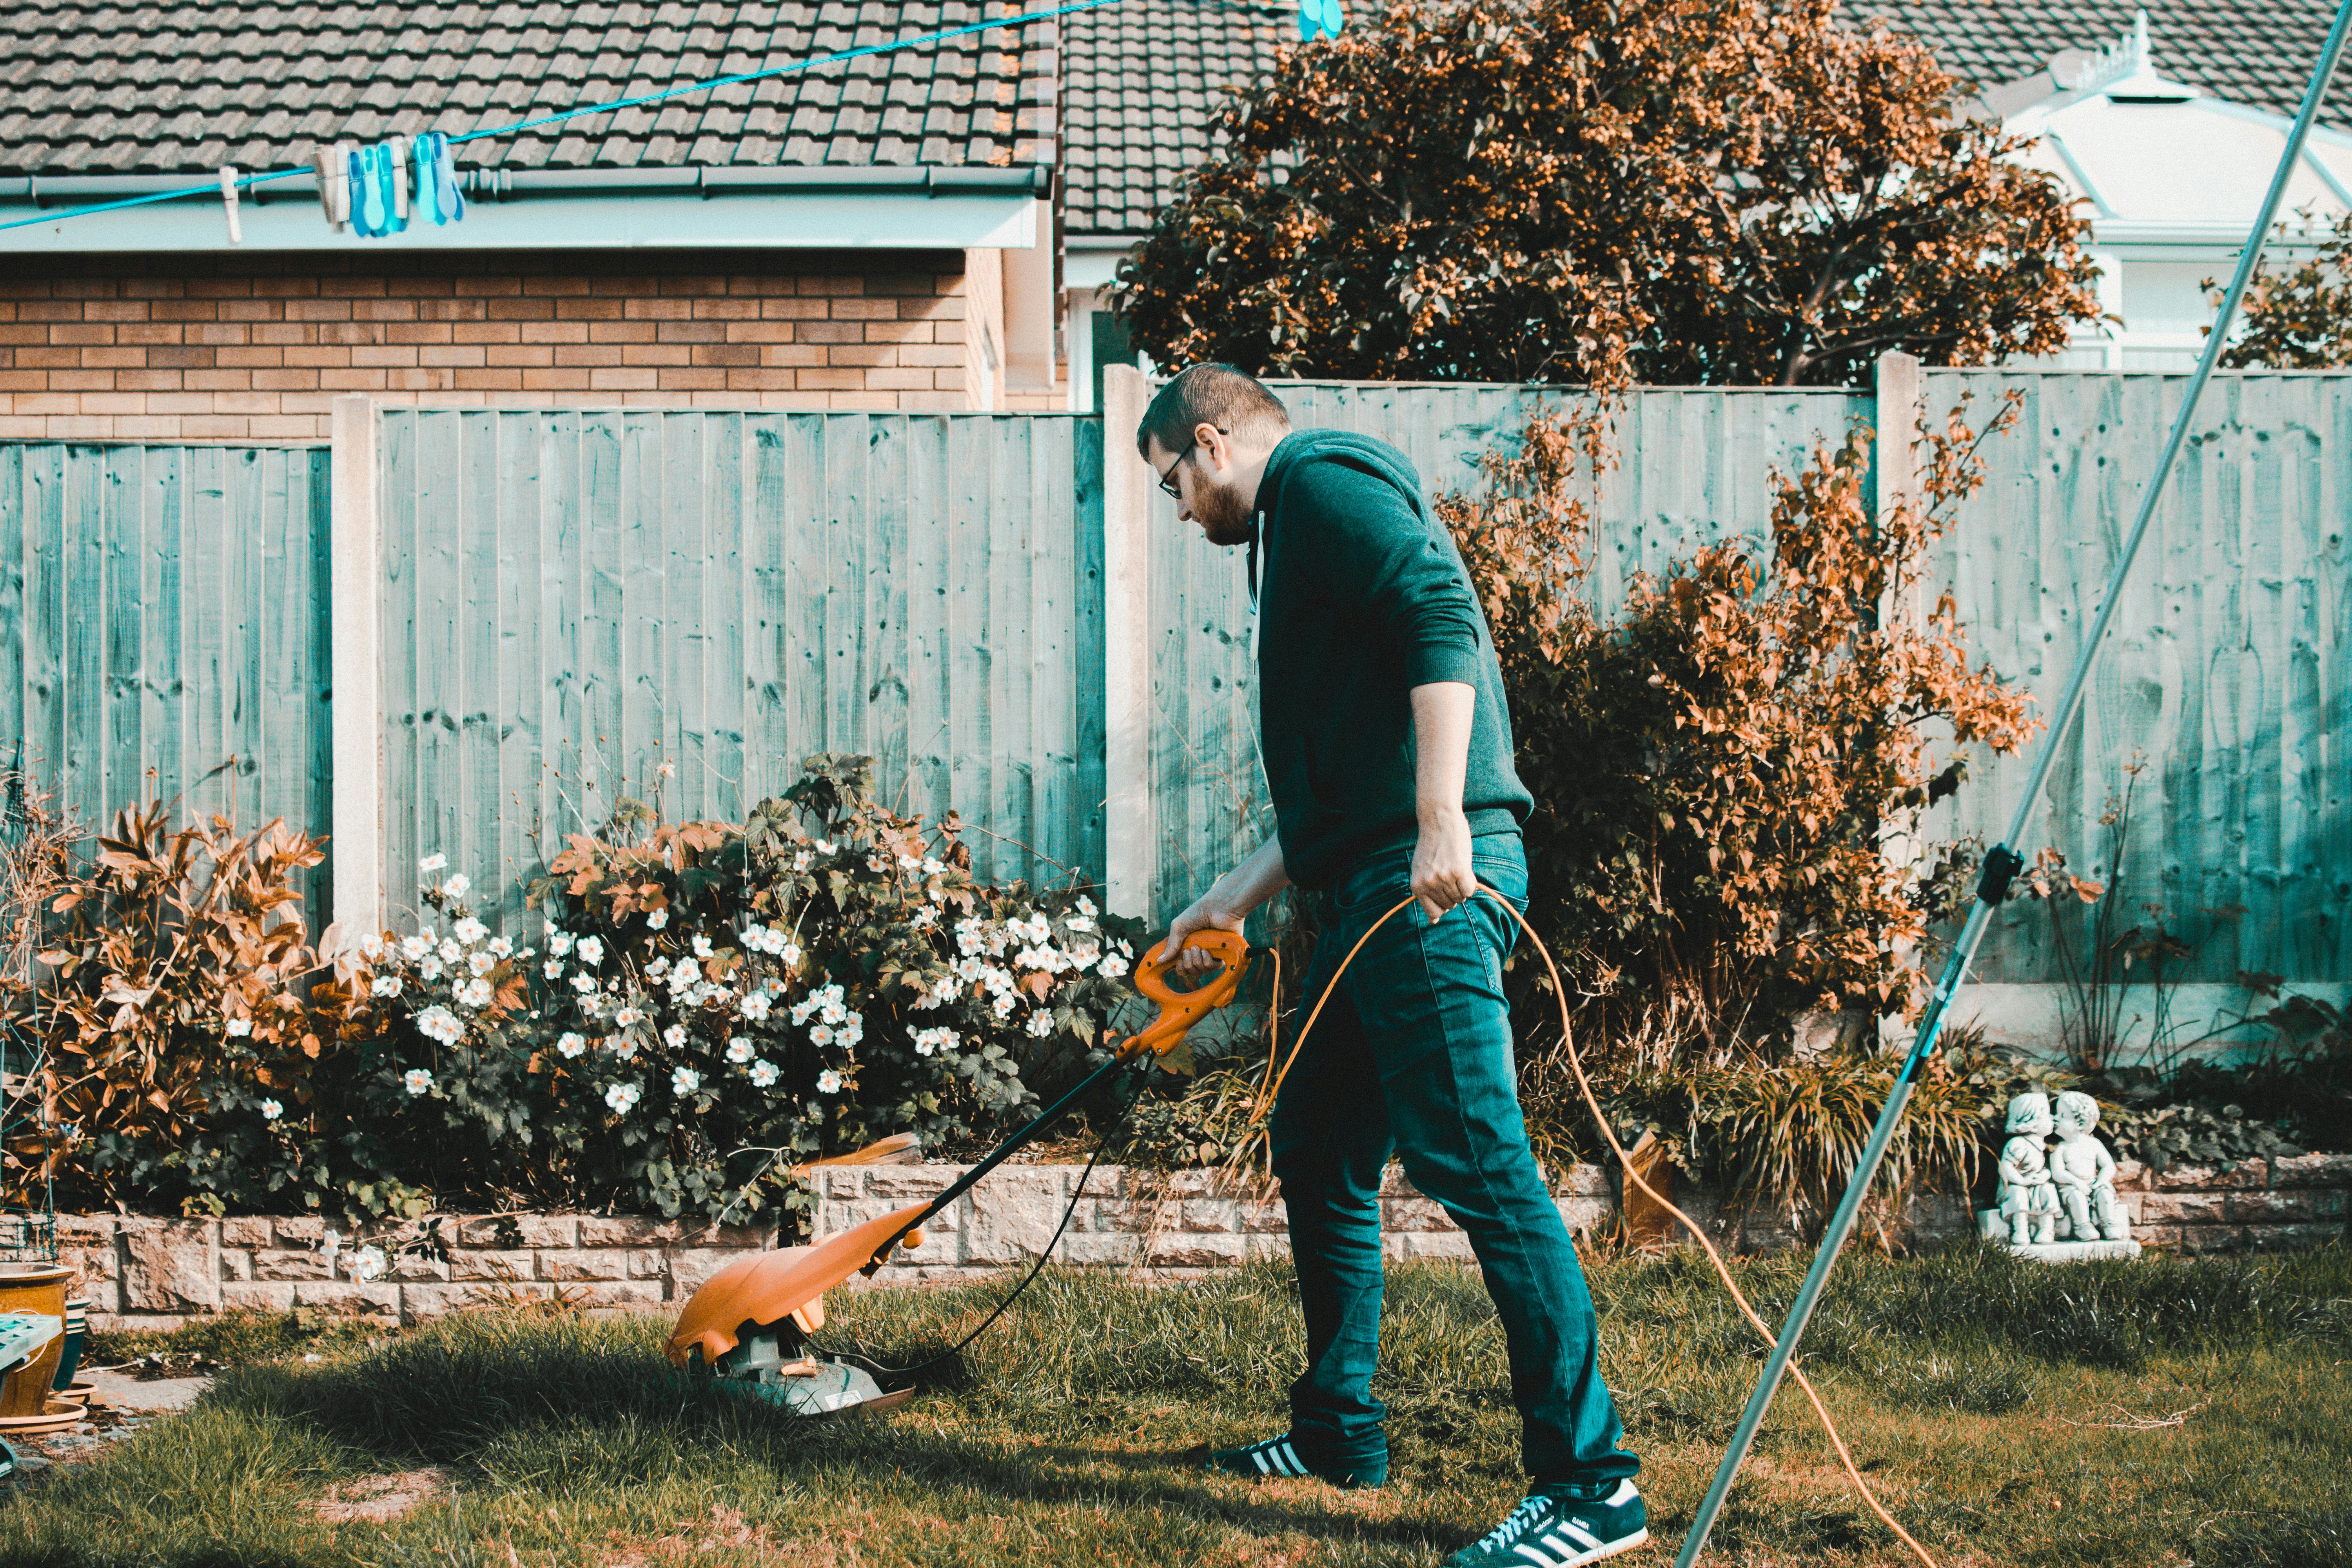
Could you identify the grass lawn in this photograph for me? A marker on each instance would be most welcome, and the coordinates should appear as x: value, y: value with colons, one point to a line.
x: 2161, y: 1413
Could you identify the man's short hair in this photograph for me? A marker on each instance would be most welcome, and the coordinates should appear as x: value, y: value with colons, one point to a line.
x: 1217, y: 394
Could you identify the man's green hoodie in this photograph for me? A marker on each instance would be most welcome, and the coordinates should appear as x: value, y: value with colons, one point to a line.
x: 1364, y: 597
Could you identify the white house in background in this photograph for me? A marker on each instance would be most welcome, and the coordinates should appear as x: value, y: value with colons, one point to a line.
x: 2171, y: 177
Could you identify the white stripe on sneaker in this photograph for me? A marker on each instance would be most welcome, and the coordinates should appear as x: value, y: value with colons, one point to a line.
x: 1575, y: 1529
x: 1626, y: 1492
x: 1536, y: 1559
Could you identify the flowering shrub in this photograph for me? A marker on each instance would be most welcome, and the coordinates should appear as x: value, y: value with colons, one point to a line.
x: 702, y: 1005
x: 695, y: 1009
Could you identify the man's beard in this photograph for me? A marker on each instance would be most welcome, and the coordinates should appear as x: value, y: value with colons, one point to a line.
x: 1222, y: 516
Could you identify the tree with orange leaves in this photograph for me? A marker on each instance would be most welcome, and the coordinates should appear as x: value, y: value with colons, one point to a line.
x: 1668, y: 191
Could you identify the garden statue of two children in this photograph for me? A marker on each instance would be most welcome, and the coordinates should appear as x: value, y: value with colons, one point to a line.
x: 2072, y: 1186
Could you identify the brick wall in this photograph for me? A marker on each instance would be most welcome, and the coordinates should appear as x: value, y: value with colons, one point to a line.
x: 153, y: 1272
x: 233, y: 348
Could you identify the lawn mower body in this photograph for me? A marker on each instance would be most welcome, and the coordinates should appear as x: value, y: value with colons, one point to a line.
x: 751, y: 1321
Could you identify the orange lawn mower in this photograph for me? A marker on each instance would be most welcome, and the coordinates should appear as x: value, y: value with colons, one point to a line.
x: 753, y: 1321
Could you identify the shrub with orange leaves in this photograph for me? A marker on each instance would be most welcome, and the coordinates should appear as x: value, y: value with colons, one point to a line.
x: 1606, y: 191
x: 1715, y: 768
x: 171, y: 989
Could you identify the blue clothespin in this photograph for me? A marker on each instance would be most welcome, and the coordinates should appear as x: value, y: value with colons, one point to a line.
x: 1320, y: 18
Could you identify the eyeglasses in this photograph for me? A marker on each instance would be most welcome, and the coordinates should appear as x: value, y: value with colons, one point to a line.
x: 1167, y: 481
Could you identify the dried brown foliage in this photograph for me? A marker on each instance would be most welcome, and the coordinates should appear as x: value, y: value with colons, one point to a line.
x: 2299, y: 317
x: 167, y: 961
x: 1714, y: 767
x: 1665, y: 191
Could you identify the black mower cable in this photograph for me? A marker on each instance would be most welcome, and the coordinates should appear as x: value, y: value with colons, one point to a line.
x: 1043, y: 1256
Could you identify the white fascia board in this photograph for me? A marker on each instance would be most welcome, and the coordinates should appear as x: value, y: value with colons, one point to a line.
x: 762, y: 220
x: 1090, y: 260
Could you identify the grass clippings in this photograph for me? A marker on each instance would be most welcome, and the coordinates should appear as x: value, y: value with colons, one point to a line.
x: 2007, y: 1413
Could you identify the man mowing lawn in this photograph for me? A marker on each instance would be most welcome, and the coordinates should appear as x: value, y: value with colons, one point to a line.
x: 1387, y: 749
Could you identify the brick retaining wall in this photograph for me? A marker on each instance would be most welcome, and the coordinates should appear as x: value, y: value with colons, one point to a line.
x: 141, y: 1272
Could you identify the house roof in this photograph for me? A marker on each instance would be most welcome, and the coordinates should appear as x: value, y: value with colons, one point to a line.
x: 90, y: 88
x: 2257, y: 53
x: 1144, y: 85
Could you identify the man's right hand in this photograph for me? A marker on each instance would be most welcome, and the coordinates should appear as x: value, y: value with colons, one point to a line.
x: 1193, y: 963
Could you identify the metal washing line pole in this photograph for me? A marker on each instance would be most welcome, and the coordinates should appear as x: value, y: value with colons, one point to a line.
x: 2002, y: 862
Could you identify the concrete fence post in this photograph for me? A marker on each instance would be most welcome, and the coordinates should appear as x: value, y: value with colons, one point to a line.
x: 1131, y: 825
x: 356, y: 695
x: 1897, y: 409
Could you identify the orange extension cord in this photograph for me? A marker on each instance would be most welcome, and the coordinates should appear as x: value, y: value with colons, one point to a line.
x: 1273, y: 1085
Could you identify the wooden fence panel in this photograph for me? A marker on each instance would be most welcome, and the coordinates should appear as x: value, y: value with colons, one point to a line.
x: 2227, y: 677
x: 163, y: 630
x: 584, y: 608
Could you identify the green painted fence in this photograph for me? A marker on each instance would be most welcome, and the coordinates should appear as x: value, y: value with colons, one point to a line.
x: 163, y: 628
x: 572, y: 600
x: 2227, y: 672
x: 580, y: 607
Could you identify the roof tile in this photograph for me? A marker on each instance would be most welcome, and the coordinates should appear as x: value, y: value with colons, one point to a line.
x: 97, y: 88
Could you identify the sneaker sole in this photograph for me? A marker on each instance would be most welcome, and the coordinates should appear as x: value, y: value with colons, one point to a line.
x: 1639, y: 1538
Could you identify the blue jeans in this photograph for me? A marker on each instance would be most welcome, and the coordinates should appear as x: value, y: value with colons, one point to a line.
x: 1413, y: 1053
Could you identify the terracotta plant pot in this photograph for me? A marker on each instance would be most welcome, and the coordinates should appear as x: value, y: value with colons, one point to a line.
x: 34, y: 1287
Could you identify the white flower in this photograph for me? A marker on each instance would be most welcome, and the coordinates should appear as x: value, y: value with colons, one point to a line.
x: 790, y: 953
x: 931, y: 868
x: 417, y: 1080
x: 657, y: 969
x: 370, y: 946
x: 1039, y: 1024
x: 1079, y: 923
x: 755, y: 1006
x: 368, y: 1263
x: 683, y: 978
x: 971, y: 933
x: 271, y: 1110
x: 685, y: 1080
x: 554, y: 968
x: 570, y: 1044
x: 675, y: 1036
x: 927, y: 1041
x: 801, y: 861
x: 739, y: 1050
x: 455, y: 888
x: 702, y: 947
x: 1083, y: 958
x: 429, y: 970
x: 583, y: 984
x: 625, y: 1046
x: 470, y: 931
x: 1086, y: 906
x: 849, y: 1033
x: 1003, y: 1004
x: 925, y: 915
x: 559, y: 943
x: 1036, y: 930
x: 240, y: 1026
x: 502, y: 947
x: 658, y: 919
x: 474, y: 993
x: 480, y: 963
x: 622, y: 1096
x: 764, y: 1074
x: 828, y: 1082
x: 1112, y: 967
x: 451, y: 952
x: 431, y: 864
x: 909, y: 863
x: 591, y: 951
x: 417, y: 947
x: 820, y: 1036
x: 629, y: 1017
x: 436, y: 1023
x: 823, y: 847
